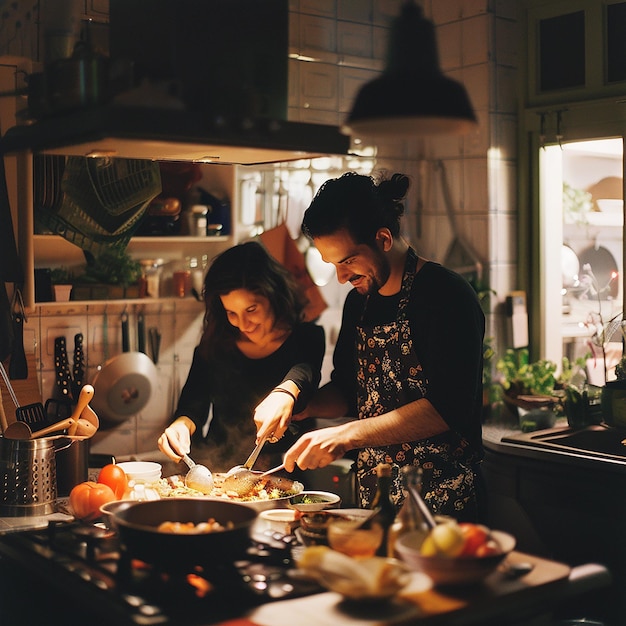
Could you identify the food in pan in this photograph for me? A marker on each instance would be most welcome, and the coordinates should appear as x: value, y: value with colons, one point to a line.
x: 189, y: 528
x: 266, y: 488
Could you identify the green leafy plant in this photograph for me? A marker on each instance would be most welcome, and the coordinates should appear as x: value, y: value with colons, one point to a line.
x: 113, y: 267
x: 520, y: 377
x: 577, y: 204
x: 61, y: 276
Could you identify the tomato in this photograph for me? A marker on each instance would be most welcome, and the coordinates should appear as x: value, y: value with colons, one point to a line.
x: 488, y: 549
x: 87, y: 498
x: 115, y: 477
x: 474, y: 536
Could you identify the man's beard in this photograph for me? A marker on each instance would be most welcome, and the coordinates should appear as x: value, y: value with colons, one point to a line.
x: 380, y: 276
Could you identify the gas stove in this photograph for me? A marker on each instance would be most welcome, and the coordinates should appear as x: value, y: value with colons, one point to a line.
x: 87, y: 566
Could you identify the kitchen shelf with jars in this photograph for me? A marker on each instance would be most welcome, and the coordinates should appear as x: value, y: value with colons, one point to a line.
x: 181, y: 230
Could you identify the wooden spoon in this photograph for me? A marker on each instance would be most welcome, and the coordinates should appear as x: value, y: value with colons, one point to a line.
x: 21, y: 430
x: 86, y: 394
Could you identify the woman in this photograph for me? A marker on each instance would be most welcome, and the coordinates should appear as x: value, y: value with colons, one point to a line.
x: 257, y: 361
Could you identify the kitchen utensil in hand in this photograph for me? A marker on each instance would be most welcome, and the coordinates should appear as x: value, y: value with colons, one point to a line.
x: 240, y: 478
x: 33, y: 414
x: 86, y: 394
x: 273, y: 470
x: 198, y: 477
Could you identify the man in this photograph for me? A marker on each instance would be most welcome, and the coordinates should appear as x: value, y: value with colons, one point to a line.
x: 408, y: 360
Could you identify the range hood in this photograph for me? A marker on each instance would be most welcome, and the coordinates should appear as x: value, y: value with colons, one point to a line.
x: 223, y: 62
x: 173, y: 135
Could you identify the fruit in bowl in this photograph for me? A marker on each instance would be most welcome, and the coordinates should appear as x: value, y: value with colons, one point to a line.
x: 455, y: 554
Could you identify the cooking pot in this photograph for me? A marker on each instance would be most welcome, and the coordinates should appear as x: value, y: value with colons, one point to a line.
x: 138, y: 523
x: 124, y: 383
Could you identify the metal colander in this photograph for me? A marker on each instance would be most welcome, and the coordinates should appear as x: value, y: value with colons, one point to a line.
x: 28, y: 482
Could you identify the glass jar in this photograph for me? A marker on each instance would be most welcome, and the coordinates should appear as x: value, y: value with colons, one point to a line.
x: 150, y: 280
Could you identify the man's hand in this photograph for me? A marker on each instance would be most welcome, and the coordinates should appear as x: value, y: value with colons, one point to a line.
x: 317, y: 448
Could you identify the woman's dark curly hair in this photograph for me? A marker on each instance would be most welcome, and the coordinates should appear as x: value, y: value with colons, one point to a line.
x: 247, y: 266
x: 359, y: 204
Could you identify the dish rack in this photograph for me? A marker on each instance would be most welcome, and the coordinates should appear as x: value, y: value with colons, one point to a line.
x: 102, y: 201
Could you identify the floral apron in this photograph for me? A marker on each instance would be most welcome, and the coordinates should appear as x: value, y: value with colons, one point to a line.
x: 389, y: 376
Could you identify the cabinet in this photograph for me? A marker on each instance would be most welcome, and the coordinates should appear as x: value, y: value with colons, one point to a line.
x: 575, y: 50
x: 561, y: 511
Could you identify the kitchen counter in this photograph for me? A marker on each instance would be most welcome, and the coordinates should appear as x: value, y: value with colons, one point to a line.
x: 504, y: 438
x: 501, y: 600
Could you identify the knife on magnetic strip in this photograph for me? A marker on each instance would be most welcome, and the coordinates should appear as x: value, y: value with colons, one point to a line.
x: 62, y: 368
x: 78, y: 366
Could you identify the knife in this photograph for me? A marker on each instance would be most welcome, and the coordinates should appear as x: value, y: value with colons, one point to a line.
x: 62, y: 367
x: 78, y: 369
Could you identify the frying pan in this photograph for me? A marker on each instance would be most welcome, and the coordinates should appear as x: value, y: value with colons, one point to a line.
x: 138, y: 524
x: 124, y: 384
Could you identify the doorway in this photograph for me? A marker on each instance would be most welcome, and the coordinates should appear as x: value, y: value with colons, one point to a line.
x: 581, y: 226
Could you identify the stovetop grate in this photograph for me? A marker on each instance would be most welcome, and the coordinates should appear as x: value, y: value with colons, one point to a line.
x: 88, y: 564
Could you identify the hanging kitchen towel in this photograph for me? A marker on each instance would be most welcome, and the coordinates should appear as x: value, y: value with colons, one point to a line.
x: 283, y: 248
x: 10, y: 267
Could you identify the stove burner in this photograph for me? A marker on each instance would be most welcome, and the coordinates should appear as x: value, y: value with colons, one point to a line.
x: 90, y: 557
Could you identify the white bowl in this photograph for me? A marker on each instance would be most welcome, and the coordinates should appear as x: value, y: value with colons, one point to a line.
x: 143, y: 471
x: 462, y: 570
x: 610, y: 205
x: 278, y: 520
x: 307, y: 501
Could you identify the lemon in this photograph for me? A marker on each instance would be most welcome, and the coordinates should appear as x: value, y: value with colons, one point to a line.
x: 428, y: 547
x: 447, y: 539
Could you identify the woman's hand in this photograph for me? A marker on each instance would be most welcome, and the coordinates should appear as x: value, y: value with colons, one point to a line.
x: 273, y: 414
x: 176, y: 440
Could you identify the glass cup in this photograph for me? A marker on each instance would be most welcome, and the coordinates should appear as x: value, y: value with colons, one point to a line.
x: 346, y: 537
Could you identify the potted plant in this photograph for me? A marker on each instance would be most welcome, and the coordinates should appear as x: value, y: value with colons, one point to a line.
x: 114, y: 274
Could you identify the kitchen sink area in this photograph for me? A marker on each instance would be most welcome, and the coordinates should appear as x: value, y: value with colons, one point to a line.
x: 596, y: 441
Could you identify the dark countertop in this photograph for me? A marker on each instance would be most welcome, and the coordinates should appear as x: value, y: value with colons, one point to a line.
x: 494, y: 432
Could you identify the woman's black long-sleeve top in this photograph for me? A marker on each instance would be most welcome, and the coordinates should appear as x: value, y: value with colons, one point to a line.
x: 233, y: 385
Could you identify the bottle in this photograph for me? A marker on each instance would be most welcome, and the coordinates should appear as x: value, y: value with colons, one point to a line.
x: 386, y: 508
x: 409, y: 516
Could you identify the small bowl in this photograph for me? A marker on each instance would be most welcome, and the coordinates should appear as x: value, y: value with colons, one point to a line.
x: 348, y: 537
x: 308, y: 501
x: 278, y: 520
x: 144, y: 471
x: 444, y: 570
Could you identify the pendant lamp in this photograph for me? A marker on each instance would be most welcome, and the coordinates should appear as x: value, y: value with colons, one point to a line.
x: 412, y: 97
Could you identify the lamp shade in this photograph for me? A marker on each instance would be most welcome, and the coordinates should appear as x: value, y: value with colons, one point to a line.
x: 412, y: 96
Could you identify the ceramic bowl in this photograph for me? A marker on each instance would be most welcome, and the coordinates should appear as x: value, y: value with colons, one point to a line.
x: 444, y: 570
x: 278, y: 520
x: 144, y: 471
x: 308, y: 501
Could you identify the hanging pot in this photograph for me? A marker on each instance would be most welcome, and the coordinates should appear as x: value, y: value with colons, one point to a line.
x: 124, y: 384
